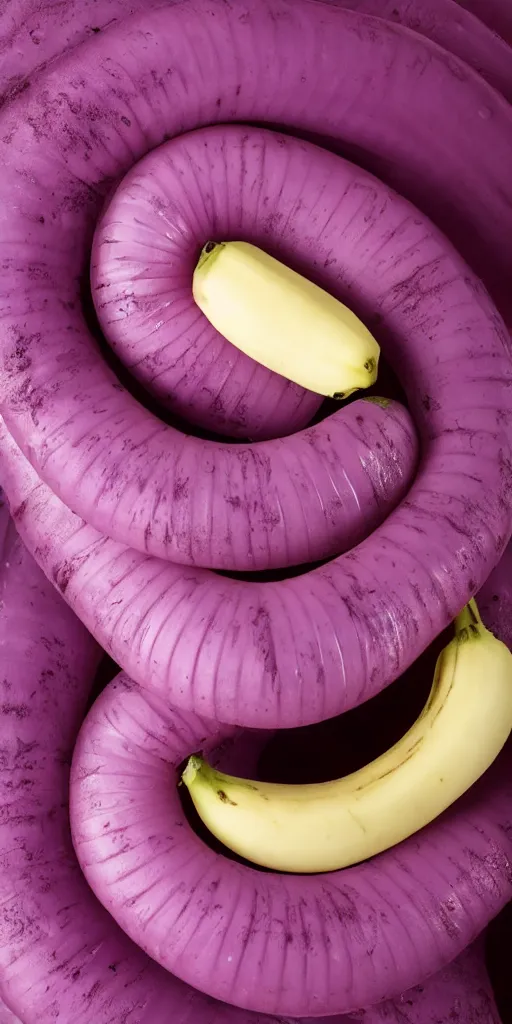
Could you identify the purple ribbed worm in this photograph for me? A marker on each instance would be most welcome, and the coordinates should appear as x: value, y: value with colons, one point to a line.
x: 460, y: 993
x: 456, y: 26
x: 95, y: 972
x: 480, y: 242
x: 62, y: 958
x: 144, y: 253
x: 185, y: 631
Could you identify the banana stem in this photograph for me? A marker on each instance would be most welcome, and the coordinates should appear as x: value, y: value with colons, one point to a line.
x: 195, y: 764
x: 468, y: 617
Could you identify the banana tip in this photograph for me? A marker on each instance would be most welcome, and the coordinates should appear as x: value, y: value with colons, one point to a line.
x: 468, y: 621
x: 208, y: 253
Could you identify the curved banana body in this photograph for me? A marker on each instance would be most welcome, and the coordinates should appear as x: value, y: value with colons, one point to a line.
x: 463, y: 726
x: 284, y: 321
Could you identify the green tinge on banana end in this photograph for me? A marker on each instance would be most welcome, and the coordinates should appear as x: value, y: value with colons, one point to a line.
x: 198, y: 770
x: 194, y: 767
x: 468, y: 622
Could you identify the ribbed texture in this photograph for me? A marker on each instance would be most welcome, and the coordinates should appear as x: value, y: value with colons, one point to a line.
x: 129, y: 461
x: 233, y: 649
x: 454, y: 28
x: 235, y: 507
x: 62, y: 958
x: 274, y: 654
x: 288, y: 945
x: 459, y: 994
x: 144, y: 253
x: 466, y: 28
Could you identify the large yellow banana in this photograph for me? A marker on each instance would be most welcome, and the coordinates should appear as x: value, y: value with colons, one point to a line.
x: 284, y: 321
x: 323, y: 827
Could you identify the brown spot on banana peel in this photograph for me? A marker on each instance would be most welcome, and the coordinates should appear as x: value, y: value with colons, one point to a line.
x: 468, y: 633
x: 225, y: 798
x: 462, y: 637
x: 358, y: 823
x: 433, y: 693
x: 411, y: 752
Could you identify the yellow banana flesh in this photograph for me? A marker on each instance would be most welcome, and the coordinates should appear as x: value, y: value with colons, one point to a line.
x: 284, y: 321
x: 323, y: 827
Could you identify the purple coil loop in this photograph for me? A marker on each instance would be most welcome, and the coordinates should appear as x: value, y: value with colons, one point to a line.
x: 130, y: 133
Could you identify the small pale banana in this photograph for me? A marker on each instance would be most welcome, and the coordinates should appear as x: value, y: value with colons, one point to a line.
x: 284, y: 321
x: 323, y: 827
